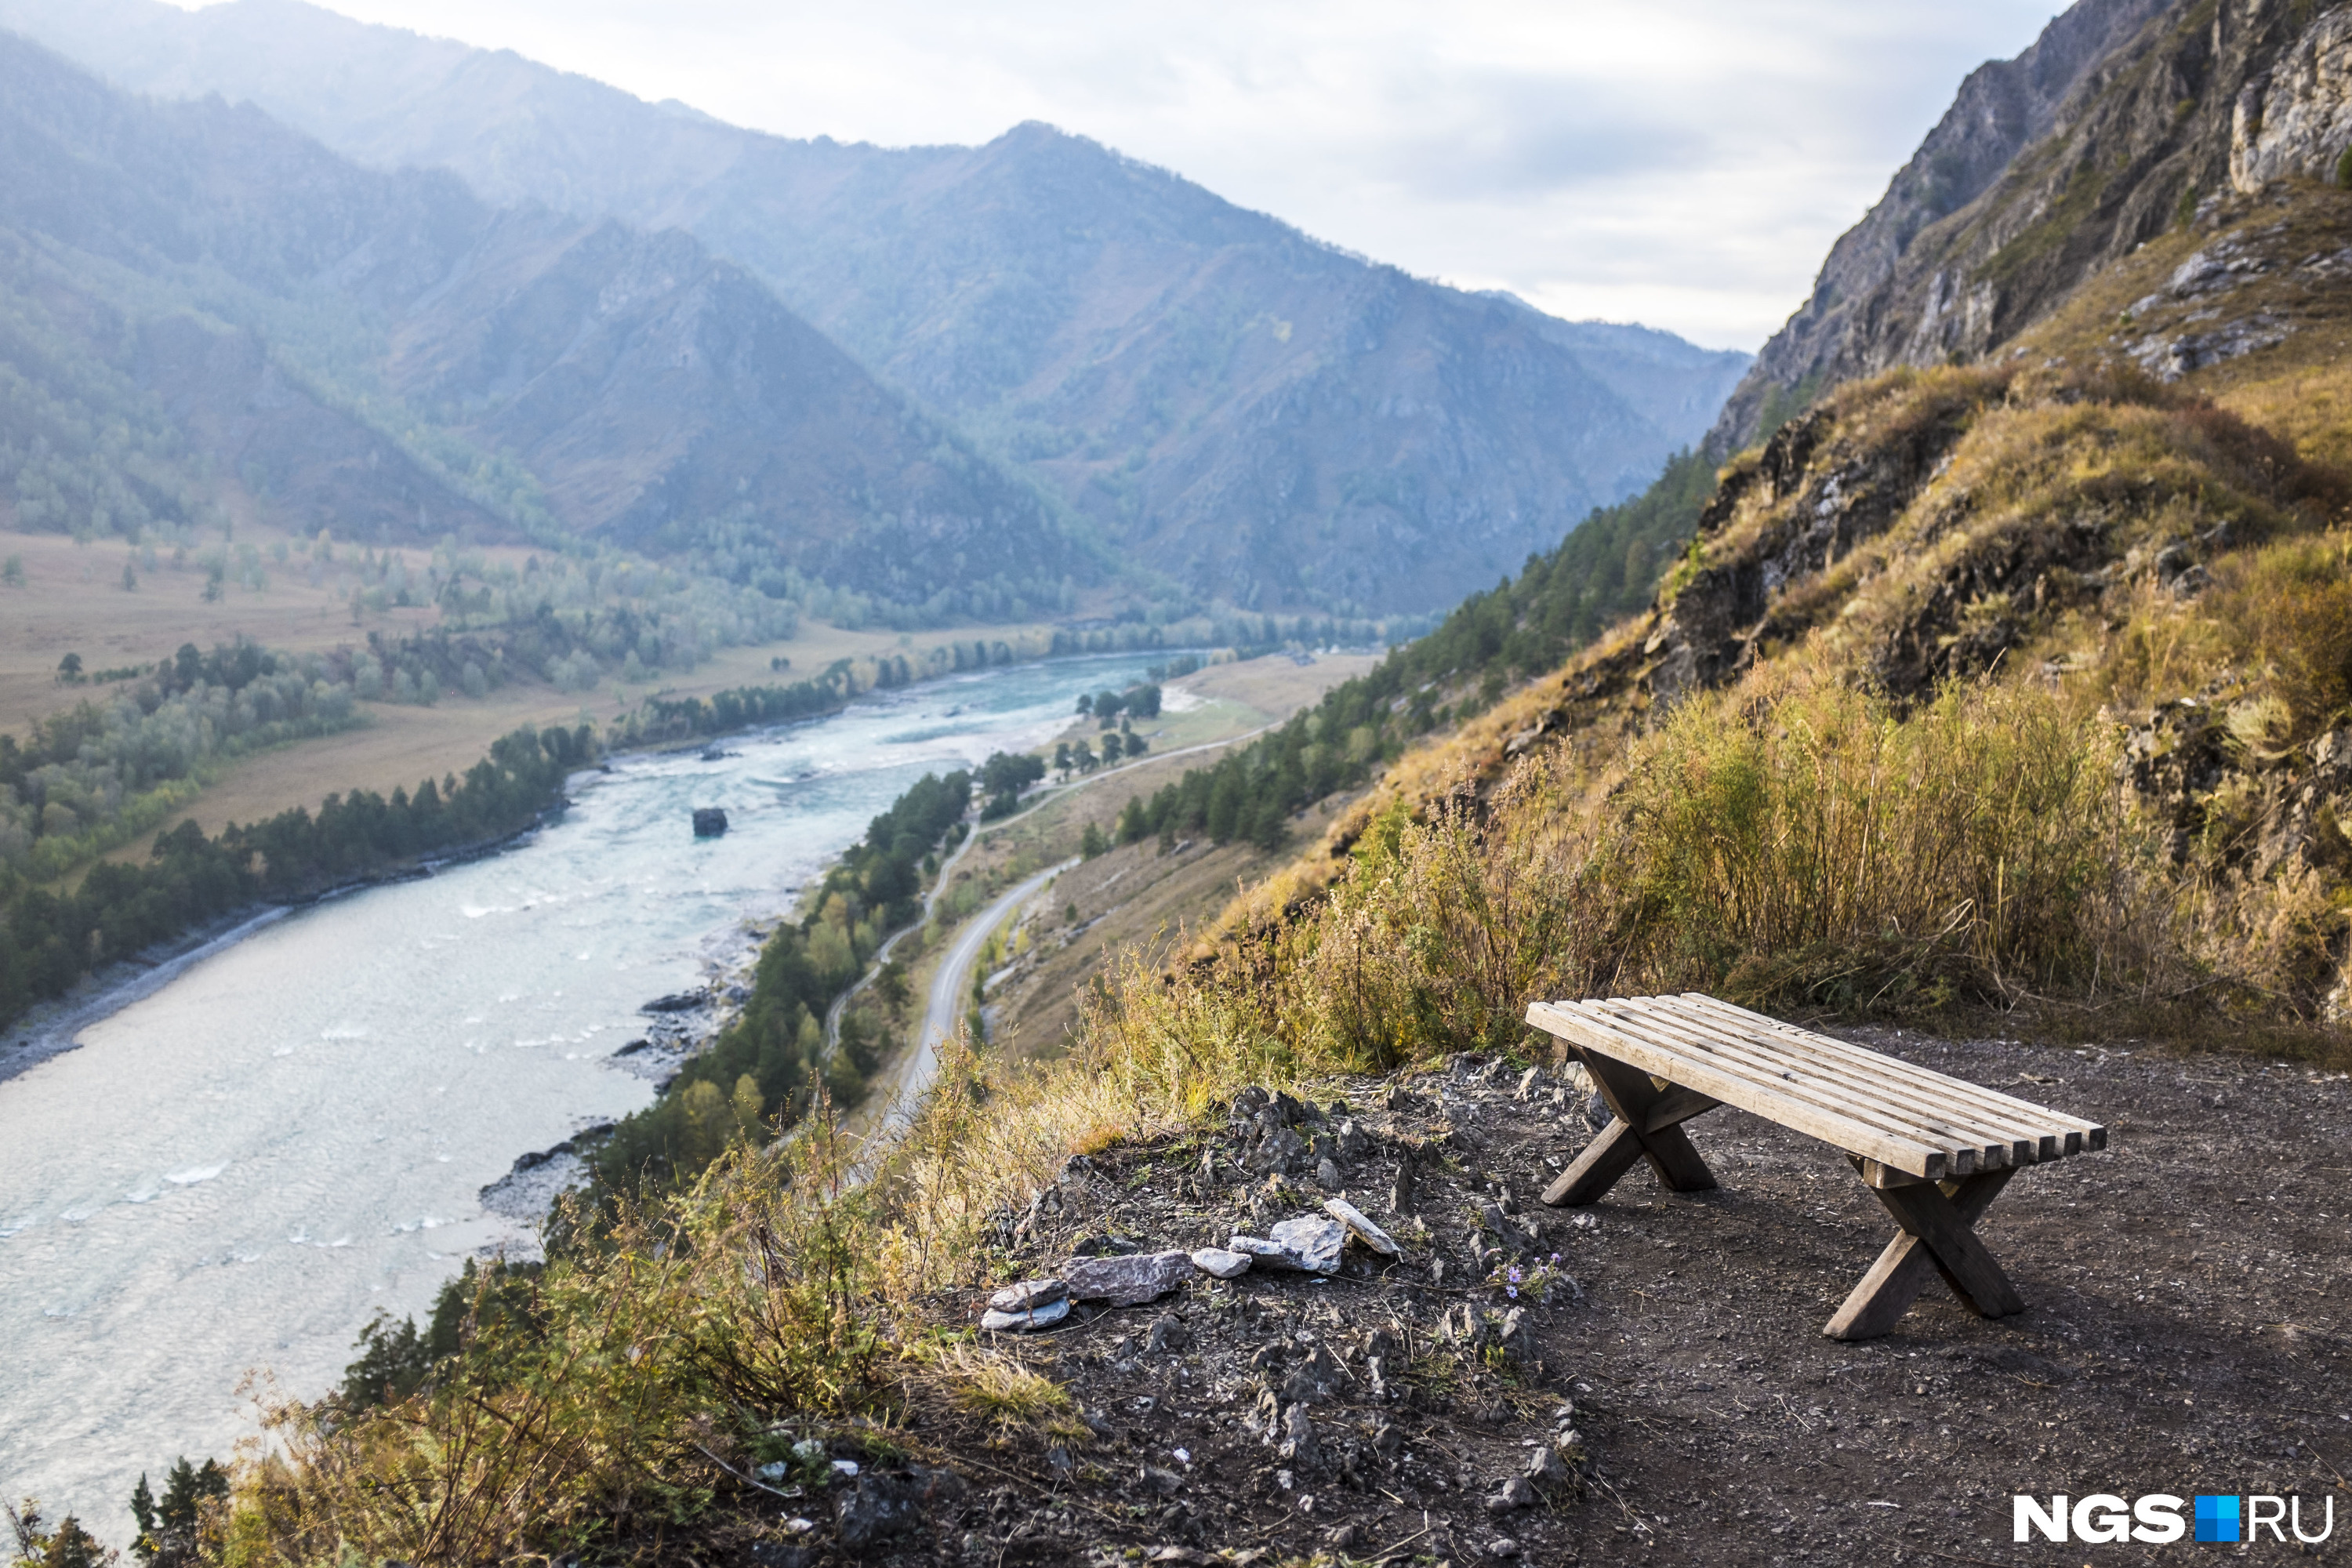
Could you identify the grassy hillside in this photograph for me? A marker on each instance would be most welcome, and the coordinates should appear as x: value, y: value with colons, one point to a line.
x: 2023, y: 687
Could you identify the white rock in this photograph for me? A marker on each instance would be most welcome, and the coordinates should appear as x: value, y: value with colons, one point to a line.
x: 1126, y: 1281
x: 1314, y: 1241
x: 1368, y: 1233
x: 1220, y: 1263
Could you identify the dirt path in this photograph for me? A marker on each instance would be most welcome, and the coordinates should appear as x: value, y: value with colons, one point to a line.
x: 2188, y: 1329
x: 902, y: 1086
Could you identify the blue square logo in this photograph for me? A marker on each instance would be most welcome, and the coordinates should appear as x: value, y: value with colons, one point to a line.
x: 2217, y: 1519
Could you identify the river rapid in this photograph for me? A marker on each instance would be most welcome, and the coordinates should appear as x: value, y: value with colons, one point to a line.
x: 234, y: 1171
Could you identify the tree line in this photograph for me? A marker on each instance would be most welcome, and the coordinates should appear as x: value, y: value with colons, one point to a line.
x: 51, y: 939
x: 1606, y: 568
x: 757, y: 1074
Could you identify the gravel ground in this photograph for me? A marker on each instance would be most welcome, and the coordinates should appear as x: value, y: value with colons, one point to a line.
x: 1670, y: 1391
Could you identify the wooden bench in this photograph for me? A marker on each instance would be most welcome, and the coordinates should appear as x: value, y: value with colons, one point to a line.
x: 1936, y: 1149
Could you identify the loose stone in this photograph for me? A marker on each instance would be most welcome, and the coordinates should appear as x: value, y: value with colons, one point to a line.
x: 1041, y: 1317
x: 1220, y: 1263
x: 1126, y: 1281
x: 1028, y: 1295
x: 1365, y: 1231
x: 1315, y: 1242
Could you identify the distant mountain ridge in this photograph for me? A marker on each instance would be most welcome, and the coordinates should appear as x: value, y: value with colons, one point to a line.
x: 661, y: 398
x: 1261, y: 419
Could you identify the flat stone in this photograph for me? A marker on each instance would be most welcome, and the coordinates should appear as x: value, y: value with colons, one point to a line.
x: 1126, y: 1281
x: 1365, y: 1231
x: 1039, y: 1317
x: 1028, y: 1295
x: 1220, y: 1263
x: 1314, y: 1241
x: 1271, y: 1254
x: 1516, y: 1493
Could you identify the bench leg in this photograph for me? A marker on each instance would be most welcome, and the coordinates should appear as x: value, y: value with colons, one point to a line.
x: 1639, y: 1132
x: 1937, y: 1238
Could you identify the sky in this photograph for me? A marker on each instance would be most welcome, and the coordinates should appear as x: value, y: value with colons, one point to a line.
x: 1684, y: 163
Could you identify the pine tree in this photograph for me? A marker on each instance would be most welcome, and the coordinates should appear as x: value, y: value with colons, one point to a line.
x: 142, y: 1511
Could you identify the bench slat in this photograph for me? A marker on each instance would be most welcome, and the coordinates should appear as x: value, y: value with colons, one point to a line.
x: 2035, y: 1134
x: 2082, y: 1135
x: 2027, y: 1130
x: 1838, y: 1086
x: 1907, y: 1117
x: 1735, y: 1088
x: 1831, y: 1087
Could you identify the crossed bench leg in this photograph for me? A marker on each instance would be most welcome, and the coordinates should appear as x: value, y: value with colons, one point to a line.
x: 1938, y: 1218
x: 1938, y: 1236
x: 1648, y: 1126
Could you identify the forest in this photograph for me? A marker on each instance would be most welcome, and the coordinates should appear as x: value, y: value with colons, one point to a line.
x: 758, y: 1075
x: 50, y: 940
x: 1604, y: 570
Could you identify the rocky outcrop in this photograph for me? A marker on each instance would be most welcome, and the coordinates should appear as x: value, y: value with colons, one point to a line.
x: 2004, y: 108
x: 2158, y: 114
x: 2296, y: 117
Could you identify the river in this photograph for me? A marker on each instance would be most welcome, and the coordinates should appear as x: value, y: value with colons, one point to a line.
x: 236, y: 1170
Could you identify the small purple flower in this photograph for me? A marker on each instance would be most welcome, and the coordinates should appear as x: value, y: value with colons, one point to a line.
x: 1555, y: 1257
x: 1515, y: 1274
x: 1512, y: 1291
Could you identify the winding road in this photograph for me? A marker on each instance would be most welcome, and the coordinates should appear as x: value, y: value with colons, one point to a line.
x: 907, y: 1079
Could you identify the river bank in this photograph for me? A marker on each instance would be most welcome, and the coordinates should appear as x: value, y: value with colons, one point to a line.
x: 292, y: 1127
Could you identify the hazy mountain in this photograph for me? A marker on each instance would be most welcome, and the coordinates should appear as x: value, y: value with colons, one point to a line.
x: 1263, y: 417
x: 659, y: 396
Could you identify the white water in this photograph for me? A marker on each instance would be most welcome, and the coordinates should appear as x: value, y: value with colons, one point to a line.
x: 236, y: 1170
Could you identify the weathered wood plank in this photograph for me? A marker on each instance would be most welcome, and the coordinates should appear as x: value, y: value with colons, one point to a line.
x: 2043, y: 1129
x: 1593, y: 1172
x: 2092, y: 1135
x: 1676, y: 1106
x: 1726, y: 1083
x: 1634, y: 1098
x: 1928, y: 1212
x: 1842, y: 1086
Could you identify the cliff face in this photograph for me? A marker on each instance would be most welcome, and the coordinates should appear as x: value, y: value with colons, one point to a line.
x: 2295, y: 117
x: 1867, y: 302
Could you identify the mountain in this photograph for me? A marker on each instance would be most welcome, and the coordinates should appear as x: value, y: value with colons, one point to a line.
x: 2122, y: 120
x: 1261, y: 418
x: 641, y: 390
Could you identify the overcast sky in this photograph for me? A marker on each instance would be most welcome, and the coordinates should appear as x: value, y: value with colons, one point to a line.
x: 1680, y: 162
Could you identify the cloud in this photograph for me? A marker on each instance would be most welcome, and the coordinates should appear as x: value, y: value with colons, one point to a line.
x: 1683, y: 162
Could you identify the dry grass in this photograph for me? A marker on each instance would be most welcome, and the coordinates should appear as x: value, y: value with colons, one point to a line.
x: 1792, y: 839
x: 1008, y: 1395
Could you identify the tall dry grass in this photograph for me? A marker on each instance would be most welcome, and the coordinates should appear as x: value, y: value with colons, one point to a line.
x: 1787, y: 842
x: 642, y: 1366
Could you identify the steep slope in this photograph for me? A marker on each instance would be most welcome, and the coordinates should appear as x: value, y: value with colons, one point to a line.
x: 1254, y: 414
x: 649, y: 394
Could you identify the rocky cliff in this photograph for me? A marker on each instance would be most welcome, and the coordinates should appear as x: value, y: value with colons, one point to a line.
x: 2004, y: 108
